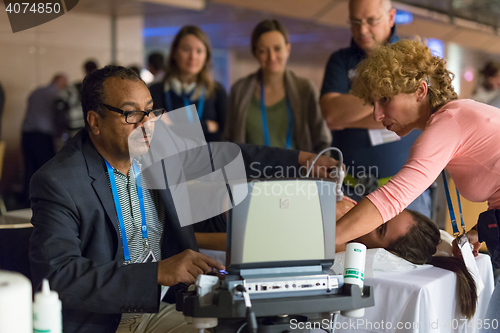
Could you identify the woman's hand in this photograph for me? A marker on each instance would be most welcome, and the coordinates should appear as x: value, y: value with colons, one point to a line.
x: 323, y: 168
x: 473, y: 239
x: 343, y: 207
x: 212, y: 126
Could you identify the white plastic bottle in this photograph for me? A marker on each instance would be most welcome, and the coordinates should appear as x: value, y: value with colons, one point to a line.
x: 47, y: 316
x: 354, y: 273
x: 16, y: 302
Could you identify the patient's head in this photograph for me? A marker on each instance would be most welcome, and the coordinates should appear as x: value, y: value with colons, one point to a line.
x: 410, y: 235
x: 419, y: 243
x: 388, y: 232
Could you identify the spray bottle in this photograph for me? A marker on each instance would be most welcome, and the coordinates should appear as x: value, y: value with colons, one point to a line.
x: 47, y: 316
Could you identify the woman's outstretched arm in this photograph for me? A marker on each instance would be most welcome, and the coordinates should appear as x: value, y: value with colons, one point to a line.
x: 359, y: 221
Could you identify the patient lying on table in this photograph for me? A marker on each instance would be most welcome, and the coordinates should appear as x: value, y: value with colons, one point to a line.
x: 414, y: 237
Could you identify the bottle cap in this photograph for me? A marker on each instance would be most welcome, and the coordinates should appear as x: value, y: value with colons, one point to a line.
x: 46, y: 295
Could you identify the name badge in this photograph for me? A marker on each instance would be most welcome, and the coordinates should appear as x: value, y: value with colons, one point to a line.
x: 470, y: 262
x: 382, y: 136
x: 147, y: 256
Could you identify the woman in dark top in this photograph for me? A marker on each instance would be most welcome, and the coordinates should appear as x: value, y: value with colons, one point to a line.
x: 188, y: 80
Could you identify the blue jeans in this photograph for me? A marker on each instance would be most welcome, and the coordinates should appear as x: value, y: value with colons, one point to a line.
x: 493, y: 312
x: 422, y: 203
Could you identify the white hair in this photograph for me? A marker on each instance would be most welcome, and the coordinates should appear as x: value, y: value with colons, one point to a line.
x: 386, y: 4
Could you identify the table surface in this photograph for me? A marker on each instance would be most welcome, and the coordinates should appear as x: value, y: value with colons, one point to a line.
x: 420, y: 300
x: 16, y: 219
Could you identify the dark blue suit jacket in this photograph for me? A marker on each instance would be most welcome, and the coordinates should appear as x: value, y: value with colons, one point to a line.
x: 76, y: 243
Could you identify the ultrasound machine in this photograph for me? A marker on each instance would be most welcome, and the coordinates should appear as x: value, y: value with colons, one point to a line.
x: 280, y: 248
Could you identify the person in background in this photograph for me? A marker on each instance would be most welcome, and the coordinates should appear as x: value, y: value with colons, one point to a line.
x: 2, y: 102
x: 41, y: 125
x: 89, y: 67
x: 188, y: 80
x: 373, y: 154
x: 410, y: 88
x: 136, y: 69
x: 273, y: 106
x: 69, y: 103
x: 488, y: 91
x: 156, y: 65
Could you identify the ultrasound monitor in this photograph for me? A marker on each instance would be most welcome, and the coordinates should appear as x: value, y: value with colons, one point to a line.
x: 283, y: 223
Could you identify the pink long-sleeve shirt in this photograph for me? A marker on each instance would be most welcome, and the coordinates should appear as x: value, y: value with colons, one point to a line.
x: 463, y: 137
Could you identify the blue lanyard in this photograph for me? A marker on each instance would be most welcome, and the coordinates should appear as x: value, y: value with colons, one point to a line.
x: 119, y: 212
x: 450, y: 207
x: 264, y: 119
x: 185, y: 98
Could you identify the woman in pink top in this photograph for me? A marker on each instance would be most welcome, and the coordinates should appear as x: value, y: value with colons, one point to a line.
x: 411, y: 89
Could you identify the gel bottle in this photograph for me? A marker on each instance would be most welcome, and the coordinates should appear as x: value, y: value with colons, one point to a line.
x: 47, y: 316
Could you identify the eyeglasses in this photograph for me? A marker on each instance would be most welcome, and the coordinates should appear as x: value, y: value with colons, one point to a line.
x: 371, y: 22
x: 135, y: 117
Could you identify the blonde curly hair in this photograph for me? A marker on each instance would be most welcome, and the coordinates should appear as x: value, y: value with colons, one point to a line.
x: 400, y: 68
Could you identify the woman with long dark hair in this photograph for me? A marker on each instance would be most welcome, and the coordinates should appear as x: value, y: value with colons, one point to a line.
x: 414, y: 237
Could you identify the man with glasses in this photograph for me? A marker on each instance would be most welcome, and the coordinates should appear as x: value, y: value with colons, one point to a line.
x: 372, y: 153
x: 107, y: 244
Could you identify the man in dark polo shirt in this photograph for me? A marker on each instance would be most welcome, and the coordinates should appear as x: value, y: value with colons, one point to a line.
x: 372, y: 154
